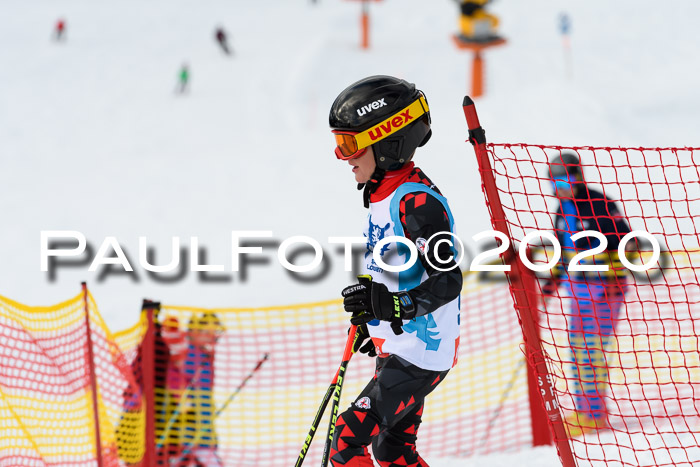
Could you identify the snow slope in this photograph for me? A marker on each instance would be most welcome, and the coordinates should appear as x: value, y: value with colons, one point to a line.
x: 94, y: 139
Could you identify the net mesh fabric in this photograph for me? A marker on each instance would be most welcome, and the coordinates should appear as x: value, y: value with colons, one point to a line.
x: 46, y: 401
x: 651, y: 361
x: 481, y: 407
x: 46, y: 404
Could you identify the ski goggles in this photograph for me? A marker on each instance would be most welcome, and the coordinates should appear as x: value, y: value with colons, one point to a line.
x: 352, y: 144
x: 563, y: 182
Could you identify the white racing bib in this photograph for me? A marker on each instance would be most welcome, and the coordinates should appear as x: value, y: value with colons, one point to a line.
x: 431, y: 341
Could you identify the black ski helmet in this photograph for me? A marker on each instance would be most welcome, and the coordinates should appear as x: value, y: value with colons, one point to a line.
x: 565, y: 164
x: 381, y: 99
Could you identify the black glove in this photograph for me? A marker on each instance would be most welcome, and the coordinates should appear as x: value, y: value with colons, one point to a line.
x: 372, y: 300
x: 362, y: 335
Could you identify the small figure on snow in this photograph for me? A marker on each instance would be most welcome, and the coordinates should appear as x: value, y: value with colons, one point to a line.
x: 183, y: 79
x: 475, y: 23
x: 221, y: 39
x: 60, y: 29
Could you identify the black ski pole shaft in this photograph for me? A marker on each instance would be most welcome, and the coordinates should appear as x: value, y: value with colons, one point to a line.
x: 243, y: 383
x: 340, y: 377
x: 183, y: 397
x: 337, y: 379
x: 314, y: 425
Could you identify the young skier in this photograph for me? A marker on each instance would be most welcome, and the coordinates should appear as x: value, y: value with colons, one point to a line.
x: 597, y: 296
x: 197, y: 424
x: 412, y: 317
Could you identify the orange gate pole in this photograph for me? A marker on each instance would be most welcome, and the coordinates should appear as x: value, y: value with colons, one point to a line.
x: 365, y: 24
x: 478, y: 61
x: 477, y: 74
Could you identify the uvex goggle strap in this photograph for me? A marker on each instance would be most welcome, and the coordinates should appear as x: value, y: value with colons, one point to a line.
x: 350, y: 144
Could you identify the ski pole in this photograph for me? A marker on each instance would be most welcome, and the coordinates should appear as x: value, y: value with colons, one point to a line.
x: 352, y: 335
x: 339, y: 378
x: 190, y: 446
x: 177, y: 411
x: 240, y: 386
x: 497, y: 412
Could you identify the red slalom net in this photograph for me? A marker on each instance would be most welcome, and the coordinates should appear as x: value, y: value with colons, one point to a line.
x: 621, y: 345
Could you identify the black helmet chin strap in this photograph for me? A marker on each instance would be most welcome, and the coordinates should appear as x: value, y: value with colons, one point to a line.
x: 371, y: 185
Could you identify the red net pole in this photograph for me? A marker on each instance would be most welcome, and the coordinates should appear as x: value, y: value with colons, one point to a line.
x: 538, y: 416
x: 148, y: 368
x: 518, y: 276
x: 93, y: 378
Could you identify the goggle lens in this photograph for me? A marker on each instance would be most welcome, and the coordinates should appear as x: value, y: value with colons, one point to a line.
x: 563, y: 182
x: 347, y: 146
x: 346, y: 143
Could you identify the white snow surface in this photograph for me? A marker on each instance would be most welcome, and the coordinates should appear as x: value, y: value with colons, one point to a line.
x: 94, y: 139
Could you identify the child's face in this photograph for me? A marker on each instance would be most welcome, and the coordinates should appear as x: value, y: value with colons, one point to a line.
x: 204, y: 337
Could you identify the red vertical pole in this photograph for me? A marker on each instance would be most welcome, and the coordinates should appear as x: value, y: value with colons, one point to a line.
x: 93, y: 378
x: 148, y: 368
x: 519, y: 278
x: 541, y: 435
x: 365, y: 24
x: 477, y: 74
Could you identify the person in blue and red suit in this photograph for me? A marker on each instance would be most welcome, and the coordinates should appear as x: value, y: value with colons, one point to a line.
x: 196, y: 426
x: 411, y: 317
x: 597, y: 297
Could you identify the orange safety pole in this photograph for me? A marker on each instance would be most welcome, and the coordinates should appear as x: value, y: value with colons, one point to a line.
x: 364, y: 20
x: 478, y: 61
x: 477, y: 74
x: 93, y: 378
x: 522, y: 282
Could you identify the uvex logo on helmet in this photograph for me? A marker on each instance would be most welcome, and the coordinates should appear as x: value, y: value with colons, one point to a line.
x: 370, y: 107
x: 390, y: 125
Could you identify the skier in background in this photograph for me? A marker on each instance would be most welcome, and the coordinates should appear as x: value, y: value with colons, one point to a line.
x: 412, y: 318
x: 183, y: 79
x: 59, y: 30
x: 597, y: 297
x: 475, y: 23
x: 197, y: 422
x: 222, y: 40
